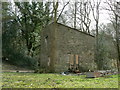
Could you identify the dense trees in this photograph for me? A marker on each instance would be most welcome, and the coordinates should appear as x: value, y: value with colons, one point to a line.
x: 29, y: 19
x: 21, y: 28
x: 23, y: 22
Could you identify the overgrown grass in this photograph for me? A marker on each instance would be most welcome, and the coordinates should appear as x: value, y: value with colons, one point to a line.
x: 34, y: 80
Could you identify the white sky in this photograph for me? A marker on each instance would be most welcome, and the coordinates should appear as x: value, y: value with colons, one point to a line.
x: 104, y: 16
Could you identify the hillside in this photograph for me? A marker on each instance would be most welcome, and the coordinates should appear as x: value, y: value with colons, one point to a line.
x: 7, y: 67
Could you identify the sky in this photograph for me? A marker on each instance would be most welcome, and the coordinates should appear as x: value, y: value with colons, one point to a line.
x: 104, y: 15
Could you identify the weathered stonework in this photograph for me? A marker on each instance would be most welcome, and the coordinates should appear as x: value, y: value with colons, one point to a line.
x: 63, y: 47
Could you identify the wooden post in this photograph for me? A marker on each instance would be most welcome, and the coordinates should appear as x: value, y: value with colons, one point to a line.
x: 71, y: 61
x: 74, y: 62
x: 77, y: 59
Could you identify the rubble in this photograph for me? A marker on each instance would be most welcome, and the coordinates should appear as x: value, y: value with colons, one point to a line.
x: 92, y: 74
x: 100, y: 73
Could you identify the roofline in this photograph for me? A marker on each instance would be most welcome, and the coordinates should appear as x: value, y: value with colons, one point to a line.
x: 75, y: 29
x: 70, y: 28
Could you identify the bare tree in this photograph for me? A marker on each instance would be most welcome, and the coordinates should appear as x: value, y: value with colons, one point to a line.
x: 84, y: 16
x: 54, y: 32
x: 79, y: 15
x: 62, y: 10
x: 96, y: 12
x: 55, y: 7
x: 75, y: 12
x: 114, y: 7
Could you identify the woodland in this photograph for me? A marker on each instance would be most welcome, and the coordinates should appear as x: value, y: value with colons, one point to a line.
x: 22, y: 23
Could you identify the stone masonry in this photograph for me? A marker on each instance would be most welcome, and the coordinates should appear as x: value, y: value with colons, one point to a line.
x: 64, y: 48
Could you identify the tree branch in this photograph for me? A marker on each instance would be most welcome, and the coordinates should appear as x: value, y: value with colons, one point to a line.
x: 62, y: 11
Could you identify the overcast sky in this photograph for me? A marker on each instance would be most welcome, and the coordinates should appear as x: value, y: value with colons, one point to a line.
x: 104, y: 16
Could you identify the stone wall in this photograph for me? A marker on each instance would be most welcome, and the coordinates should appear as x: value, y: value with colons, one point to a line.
x: 73, y: 42
x: 46, y: 45
x: 68, y: 43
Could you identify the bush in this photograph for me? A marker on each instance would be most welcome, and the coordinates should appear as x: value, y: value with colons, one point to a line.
x: 21, y: 60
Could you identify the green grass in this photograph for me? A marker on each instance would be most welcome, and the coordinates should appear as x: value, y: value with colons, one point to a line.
x: 34, y: 80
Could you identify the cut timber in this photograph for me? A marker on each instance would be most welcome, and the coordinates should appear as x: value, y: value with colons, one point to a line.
x: 76, y: 59
x: 72, y: 59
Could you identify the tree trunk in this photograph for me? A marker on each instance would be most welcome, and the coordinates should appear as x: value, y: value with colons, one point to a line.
x: 75, y: 15
x: 117, y: 42
x: 53, y: 41
x: 97, y: 47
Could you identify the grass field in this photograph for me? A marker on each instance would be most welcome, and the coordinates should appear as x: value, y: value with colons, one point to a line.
x: 34, y: 80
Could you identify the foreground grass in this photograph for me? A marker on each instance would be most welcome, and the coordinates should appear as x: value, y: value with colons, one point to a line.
x: 33, y: 80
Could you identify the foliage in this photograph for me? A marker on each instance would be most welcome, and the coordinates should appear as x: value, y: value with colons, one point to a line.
x: 32, y: 80
x: 102, y: 52
x: 22, y: 24
x: 106, y: 51
x: 32, y: 18
x: 12, y: 48
x: 21, y: 27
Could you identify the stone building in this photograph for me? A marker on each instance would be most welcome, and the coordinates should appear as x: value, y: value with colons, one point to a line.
x: 64, y: 48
